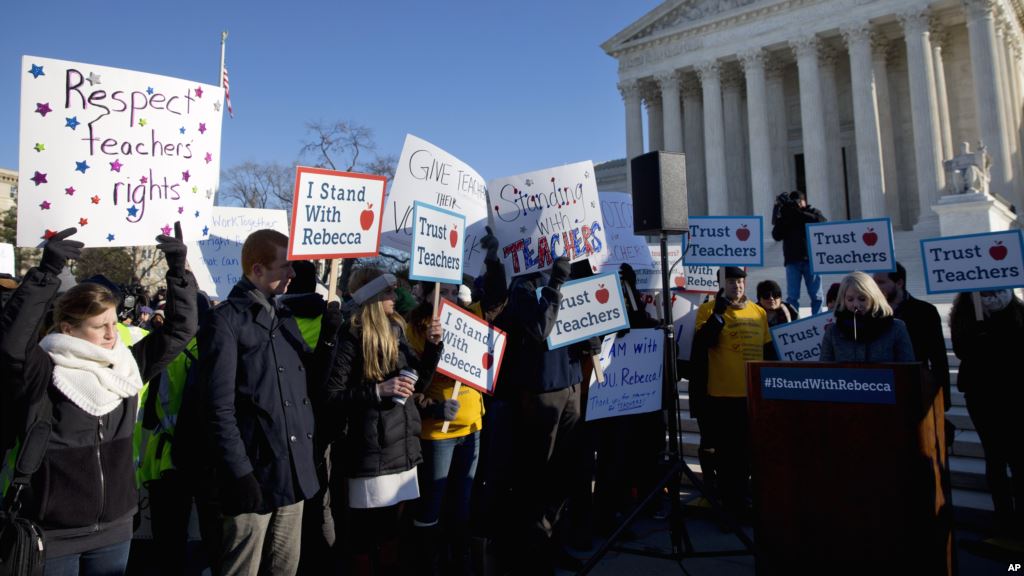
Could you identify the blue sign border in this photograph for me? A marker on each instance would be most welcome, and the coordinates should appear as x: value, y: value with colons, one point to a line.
x: 775, y: 341
x: 760, y: 252
x: 622, y: 305
x: 892, y: 245
x: 412, y: 254
x: 927, y: 277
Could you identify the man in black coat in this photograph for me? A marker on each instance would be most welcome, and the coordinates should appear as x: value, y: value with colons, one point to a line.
x: 792, y: 214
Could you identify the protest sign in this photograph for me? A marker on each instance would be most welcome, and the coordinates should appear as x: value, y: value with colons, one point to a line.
x: 632, y: 383
x: 800, y: 340
x: 818, y: 384
x: 473, y: 349
x: 590, y: 307
x: 216, y: 260
x: 540, y: 216
x: 624, y: 246
x: 121, y: 155
x: 698, y: 279
x: 724, y: 241
x: 437, y: 242
x: 428, y: 174
x: 973, y: 262
x: 851, y: 245
x: 7, y: 259
x: 335, y: 214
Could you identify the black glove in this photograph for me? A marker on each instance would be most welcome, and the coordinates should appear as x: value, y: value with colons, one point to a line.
x: 331, y: 321
x: 721, y: 302
x: 244, y: 497
x: 490, y: 244
x: 559, y: 273
x: 58, y: 250
x: 174, y: 251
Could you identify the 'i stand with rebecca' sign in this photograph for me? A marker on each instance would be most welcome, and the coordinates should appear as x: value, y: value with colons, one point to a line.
x: 118, y: 154
x: 437, y: 241
x: 724, y: 241
x: 473, y: 349
x: 840, y: 247
x: 973, y: 262
x: 590, y: 307
x: 335, y: 214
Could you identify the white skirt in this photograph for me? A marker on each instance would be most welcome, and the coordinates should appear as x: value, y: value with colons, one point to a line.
x: 381, y: 491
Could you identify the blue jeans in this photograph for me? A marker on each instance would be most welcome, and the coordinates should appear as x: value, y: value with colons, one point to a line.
x: 450, y: 460
x: 795, y: 272
x: 107, y: 561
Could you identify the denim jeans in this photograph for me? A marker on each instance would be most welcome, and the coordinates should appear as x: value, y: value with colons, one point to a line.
x: 450, y: 460
x: 801, y: 271
x: 109, y: 561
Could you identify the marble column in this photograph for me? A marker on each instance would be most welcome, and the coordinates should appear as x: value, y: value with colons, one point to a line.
x: 865, y: 122
x: 630, y: 91
x: 761, y: 185
x: 1002, y: 37
x: 923, y: 114
x: 714, y: 140
x: 940, y: 39
x: 813, y: 124
x: 671, y: 111
x: 655, y: 124
x: 833, y: 146
x: 693, y: 145
x: 733, y: 112
x: 881, y: 52
x: 987, y: 98
x: 1013, y: 80
x: 782, y: 162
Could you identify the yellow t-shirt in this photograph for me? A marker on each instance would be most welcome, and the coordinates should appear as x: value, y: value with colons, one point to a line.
x: 742, y: 340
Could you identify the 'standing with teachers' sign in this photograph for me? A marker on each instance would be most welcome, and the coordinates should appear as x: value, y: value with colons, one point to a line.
x: 335, y: 214
x: 973, y: 262
x: 118, y: 154
x: 473, y: 349
x: 724, y: 241
x: 624, y: 246
x: 800, y: 340
x: 848, y: 246
x: 430, y: 175
x: 632, y: 368
x: 543, y: 215
x: 817, y: 384
x: 437, y: 239
x: 590, y: 307
x: 216, y: 260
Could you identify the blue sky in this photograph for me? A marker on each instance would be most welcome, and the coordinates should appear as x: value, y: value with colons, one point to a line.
x: 508, y: 87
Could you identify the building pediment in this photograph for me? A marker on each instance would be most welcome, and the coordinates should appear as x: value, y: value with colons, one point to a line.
x: 674, y: 16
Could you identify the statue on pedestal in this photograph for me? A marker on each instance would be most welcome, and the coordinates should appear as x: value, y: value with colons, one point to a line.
x: 968, y: 171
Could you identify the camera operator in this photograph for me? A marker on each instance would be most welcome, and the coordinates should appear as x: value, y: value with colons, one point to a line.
x: 789, y: 217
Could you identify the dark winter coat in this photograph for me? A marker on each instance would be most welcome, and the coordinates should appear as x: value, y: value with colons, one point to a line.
x: 84, y: 494
x: 791, y: 230
x: 988, y: 351
x: 925, y: 328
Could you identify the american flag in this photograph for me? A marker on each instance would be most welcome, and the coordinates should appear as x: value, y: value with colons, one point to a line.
x: 227, y: 92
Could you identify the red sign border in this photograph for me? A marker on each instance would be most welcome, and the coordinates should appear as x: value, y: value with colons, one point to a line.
x: 299, y: 171
x: 497, y: 367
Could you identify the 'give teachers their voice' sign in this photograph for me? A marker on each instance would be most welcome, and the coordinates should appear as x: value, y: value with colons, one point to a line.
x: 839, y: 247
x: 335, y: 214
x: 590, y: 307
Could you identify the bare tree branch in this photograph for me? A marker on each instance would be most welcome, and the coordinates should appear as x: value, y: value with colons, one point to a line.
x: 339, y: 143
x: 256, y: 185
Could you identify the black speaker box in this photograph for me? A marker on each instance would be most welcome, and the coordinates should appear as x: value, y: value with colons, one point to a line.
x: 659, y: 193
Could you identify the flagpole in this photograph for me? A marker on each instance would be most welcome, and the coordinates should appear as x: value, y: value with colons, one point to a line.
x: 223, y: 45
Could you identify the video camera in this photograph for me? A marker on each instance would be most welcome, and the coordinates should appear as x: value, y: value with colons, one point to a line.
x: 782, y: 201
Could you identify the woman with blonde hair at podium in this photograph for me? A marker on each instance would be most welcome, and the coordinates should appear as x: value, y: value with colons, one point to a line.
x: 864, y: 329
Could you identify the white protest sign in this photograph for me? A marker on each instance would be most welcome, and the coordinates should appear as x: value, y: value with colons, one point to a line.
x: 633, y: 366
x: 724, y: 241
x: 430, y: 175
x: 699, y: 279
x: 473, y: 349
x: 437, y: 244
x: 121, y: 155
x: 335, y: 214
x: 590, y: 307
x: 7, y: 259
x: 543, y: 215
x: 848, y: 246
x: 216, y: 260
x: 973, y: 262
x: 800, y: 340
x: 624, y: 246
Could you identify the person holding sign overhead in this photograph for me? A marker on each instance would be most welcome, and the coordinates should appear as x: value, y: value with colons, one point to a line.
x: 865, y: 329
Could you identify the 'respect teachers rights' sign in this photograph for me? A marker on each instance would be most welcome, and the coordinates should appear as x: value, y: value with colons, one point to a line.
x: 119, y: 154
x: 973, y: 262
x: 724, y: 241
x: 840, y: 247
x: 335, y: 214
x: 473, y: 349
x: 437, y: 238
x: 590, y: 307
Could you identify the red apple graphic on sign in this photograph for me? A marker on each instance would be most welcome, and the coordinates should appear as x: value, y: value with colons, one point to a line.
x: 366, y: 217
x: 602, y: 294
x: 487, y: 360
x: 680, y: 281
x: 870, y: 237
x: 454, y: 236
x: 997, y: 251
x: 743, y: 233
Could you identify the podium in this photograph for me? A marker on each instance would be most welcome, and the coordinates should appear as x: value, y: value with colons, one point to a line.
x: 849, y: 469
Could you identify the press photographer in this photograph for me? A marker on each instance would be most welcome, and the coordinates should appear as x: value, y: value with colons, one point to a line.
x: 790, y: 216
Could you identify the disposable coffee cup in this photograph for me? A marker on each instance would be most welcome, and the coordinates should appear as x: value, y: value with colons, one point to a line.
x: 410, y: 374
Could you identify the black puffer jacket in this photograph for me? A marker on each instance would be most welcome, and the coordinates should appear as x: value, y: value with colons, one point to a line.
x: 382, y: 437
x: 791, y: 230
x: 83, y: 495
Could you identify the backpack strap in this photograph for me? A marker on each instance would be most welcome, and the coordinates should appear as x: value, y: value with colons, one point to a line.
x: 30, y: 457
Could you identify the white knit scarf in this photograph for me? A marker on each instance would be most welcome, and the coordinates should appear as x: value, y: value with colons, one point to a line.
x: 93, y: 378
